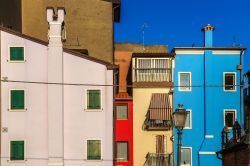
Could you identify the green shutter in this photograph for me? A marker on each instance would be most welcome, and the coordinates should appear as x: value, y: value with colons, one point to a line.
x: 94, y: 99
x: 17, y: 150
x: 17, y: 99
x: 16, y: 53
x: 94, y: 150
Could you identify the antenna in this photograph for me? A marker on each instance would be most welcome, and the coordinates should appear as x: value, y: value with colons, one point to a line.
x: 234, y: 41
x: 143, y: 27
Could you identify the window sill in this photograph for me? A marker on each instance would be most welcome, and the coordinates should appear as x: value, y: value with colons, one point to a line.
x: 94, y: 160
x: 18, y: 61
x: 230, y: 90
x: 17, y: 110
x: 187, y: 128
x: 16, y: 161
x: 93, y: 110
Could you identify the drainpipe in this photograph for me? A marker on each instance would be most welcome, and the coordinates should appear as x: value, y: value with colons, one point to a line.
x: 114, y: 118
x: 241, y: 122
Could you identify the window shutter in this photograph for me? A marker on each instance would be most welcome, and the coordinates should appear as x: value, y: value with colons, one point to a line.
x: 17, y: 150
x: 94, y: 99
x: 17, y: 99
x: 97, y: 99
x: 16, y: 53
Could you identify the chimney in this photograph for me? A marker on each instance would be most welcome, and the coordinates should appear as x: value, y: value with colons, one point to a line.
x: 55, y: 91
x: 208, y: 35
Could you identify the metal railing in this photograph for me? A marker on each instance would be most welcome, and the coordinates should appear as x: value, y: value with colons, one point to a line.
x: 157, y: 159
x: 152, y: 75
x: 157, y: 124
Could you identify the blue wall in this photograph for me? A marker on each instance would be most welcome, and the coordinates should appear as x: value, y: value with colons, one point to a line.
x: 207, y: 104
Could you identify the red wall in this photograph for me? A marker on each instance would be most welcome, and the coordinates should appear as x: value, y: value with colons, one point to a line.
x: 124, y: 132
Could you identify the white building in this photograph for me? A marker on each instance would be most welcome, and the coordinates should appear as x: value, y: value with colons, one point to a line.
x: 56, y: 104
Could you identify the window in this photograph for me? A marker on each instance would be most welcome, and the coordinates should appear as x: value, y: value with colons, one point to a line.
x: 229, y: 118
x: 93, y: 149
x: 16, y: 54
x: 161, y: 144
x: 122, y: 112
x: 122, y: 151
x: 16, y: 150
x: 185, y: 81
x: 188, y: 123
x: 93, y: 99
x: 229, y: 81
x: 186, y: 159
x: 17, y: 101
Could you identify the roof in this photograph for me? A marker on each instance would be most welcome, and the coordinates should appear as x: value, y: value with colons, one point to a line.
x: 150, y: 55
x: 209, y: 48
x: 75, y: 53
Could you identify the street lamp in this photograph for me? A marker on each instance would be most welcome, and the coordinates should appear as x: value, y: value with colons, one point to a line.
x: 179, y: 119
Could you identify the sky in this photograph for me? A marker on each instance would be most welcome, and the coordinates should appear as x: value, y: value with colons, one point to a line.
x: 179, y: 22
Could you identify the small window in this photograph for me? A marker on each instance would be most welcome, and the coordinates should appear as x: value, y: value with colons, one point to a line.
x: 16, y: 54
x: 229, y: 118
x: 16, y: 150
x: 17, y: 101
x: 188, y: 123
x: 184, y: 81
x: 161, y: 144
x: 122, y: 112
x: 122, y: 151
x: 186, y: 156
x: 94, y: 99
x: 229, y: 82
x: 93, y: 149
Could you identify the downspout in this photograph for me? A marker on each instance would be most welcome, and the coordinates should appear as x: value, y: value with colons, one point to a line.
x: 204, y: 92
x: 114, y: 118
x: 241, y: 122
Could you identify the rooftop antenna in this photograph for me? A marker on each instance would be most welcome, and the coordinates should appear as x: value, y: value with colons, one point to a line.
x: 143, y: 27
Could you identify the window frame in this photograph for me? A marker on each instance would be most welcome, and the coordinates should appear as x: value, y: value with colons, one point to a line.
x: 24, y: 152
x: 224, y: 117
x: 190, y: 113
x: 86, y: 149
x: 191, y: 156
x: 17, y: 61
x: 188, y: 89
x: 17, y: 110
x: 86, y: 100
x: 122, y: 104
x: 235, y: 81
x: 116, y: 150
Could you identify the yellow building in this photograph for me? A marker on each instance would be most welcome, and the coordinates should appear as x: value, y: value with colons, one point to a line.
x: 152, y: 107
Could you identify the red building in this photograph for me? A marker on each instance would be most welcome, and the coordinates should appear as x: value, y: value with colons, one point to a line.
x: 123, y: 113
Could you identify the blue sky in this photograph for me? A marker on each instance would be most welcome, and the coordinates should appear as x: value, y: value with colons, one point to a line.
x: 179, y: 23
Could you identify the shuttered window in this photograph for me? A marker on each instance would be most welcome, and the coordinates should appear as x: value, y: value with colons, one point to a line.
x: 122, y: 151
x: 17, y: 99
x: 16, y: 53
x: 17, y: 150
x: 229, y: 81
x: 94, y: 150
x: 122, y: 112
x: 94, y: 99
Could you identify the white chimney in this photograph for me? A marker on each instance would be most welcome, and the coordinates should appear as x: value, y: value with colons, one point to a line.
x: 55, y: 90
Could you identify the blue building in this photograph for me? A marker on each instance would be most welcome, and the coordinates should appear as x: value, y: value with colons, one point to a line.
x: 207, y: 83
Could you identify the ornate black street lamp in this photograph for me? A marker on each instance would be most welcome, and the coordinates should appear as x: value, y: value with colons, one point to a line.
x: 179, y: 119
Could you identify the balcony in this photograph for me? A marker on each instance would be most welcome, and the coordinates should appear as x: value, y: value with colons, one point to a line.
x: 157, y: 125
x: 152, y: 75
x: 158, y: 159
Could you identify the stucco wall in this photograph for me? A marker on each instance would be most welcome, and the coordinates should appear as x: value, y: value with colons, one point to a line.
x: 145, y: 141
x: 88, y: 24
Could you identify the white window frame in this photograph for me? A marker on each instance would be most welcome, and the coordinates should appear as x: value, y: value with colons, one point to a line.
x: 191, y: 158
x: 24, y: 54
x: 86, y: 149
x: 17, y: 110
x: 190, y: 113
x: 86, y: 101
x: 188, y: 89
x: 235, y: 81
x: 229, y: 110
x: 17, y: 161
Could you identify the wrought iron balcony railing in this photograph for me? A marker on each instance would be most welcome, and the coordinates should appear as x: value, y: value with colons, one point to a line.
x: 157, y: 159
x: 151, y: 124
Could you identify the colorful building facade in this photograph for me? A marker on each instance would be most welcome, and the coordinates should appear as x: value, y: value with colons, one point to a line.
x: 123, y: 113
x: 152, y: 106
x: 56, y: 104
x: 207, y: 82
